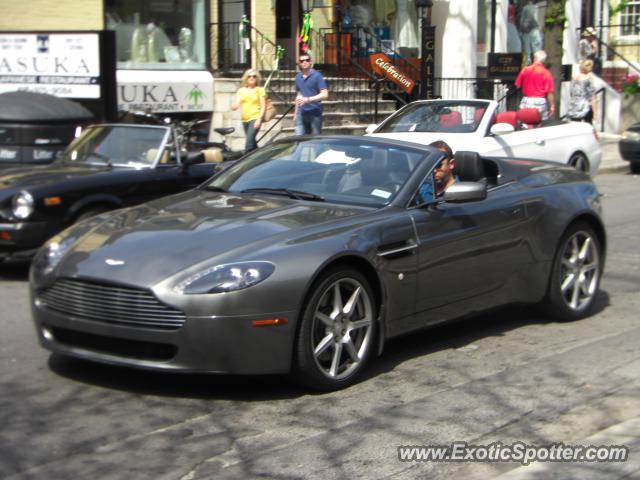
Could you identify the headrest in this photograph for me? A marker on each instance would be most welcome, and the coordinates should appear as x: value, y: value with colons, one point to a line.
x: 212, y: 155
x: 530, y: 116
x: 507, y: 117
x: 468, y: 166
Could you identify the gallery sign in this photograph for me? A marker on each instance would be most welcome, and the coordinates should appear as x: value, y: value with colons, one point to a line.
x: 165, y: 91
x: 504, y: 66
x: 60, y: 64
x: 383, y: 66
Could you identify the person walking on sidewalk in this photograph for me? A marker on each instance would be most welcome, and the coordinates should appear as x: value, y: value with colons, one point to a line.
x: 312, y: 90
x: 536, y: 83
x: 582, y: 98
x: 251, y: 100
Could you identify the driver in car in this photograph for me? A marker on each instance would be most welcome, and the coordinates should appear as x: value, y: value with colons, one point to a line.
x: 443, y: 176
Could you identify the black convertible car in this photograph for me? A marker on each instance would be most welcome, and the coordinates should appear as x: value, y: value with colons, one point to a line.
x: 109, y: 166
x: 309, y: 253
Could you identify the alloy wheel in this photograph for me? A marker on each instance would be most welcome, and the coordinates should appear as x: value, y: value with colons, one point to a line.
x: 580, y: 271
x: 342, y: 328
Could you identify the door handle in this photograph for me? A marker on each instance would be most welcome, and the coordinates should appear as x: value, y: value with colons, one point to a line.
x: 539, y: 142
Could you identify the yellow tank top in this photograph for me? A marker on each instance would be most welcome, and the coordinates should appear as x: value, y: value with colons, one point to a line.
x: 250, y: 102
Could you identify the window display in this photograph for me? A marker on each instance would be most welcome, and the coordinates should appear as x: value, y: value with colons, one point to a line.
x: 525, y: 28
x: 158, y: 34
x: 376, y: 24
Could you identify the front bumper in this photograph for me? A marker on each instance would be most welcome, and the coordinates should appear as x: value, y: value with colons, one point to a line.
x: 22, y: 239
x: 224, y: 344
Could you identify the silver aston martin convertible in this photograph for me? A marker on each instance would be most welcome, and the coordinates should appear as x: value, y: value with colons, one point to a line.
x: 305, y: 256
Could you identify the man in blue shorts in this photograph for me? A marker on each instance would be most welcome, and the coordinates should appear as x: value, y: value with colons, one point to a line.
x: 311, y: 89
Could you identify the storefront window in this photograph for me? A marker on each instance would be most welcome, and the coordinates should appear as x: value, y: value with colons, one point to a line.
x: 525, y: 27
x: 158, y: 34
x: 390, y: 24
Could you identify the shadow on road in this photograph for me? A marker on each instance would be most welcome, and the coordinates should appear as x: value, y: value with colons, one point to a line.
x: 271, y: 387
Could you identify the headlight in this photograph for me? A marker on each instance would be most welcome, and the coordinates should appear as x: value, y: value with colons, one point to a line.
x: 629, y: 135
x: 52, y: 252
x: 22, y: 205
x: 226, y: 278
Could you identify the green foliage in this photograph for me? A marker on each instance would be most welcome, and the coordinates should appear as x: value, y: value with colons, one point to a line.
x: 554, y: 13
x: 631, y: 85
x: 616, y: 9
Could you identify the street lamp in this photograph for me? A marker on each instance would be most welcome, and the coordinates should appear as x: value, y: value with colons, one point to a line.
x: 427, y: 49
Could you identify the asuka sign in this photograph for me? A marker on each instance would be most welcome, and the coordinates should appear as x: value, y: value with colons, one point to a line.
x: 61, y: 64
x: 382, y: 65
x: 169, y: 91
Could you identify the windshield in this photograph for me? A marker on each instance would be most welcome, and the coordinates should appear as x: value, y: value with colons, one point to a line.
x: 442, y: 117
x: 117, y: 145
x: 334, y: 170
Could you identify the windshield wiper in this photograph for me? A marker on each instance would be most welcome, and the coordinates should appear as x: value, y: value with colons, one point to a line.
x: 297, y: 194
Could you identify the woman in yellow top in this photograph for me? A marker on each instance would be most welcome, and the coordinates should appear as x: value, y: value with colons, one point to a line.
x: 251, y: 100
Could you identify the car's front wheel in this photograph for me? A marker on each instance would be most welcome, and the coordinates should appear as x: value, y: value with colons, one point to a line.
x: 337, y: 331
x: 576, y: 272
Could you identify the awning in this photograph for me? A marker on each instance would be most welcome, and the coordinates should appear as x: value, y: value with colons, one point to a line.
x: 32, y: 107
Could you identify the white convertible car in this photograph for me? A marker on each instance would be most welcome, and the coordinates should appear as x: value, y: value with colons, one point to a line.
x: 477, y: 125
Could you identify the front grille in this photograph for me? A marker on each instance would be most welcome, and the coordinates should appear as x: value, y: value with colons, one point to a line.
x: 138, y: 350
x: 111, y: 304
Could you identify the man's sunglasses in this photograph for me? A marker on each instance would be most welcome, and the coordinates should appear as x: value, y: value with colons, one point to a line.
x: 305, y: 60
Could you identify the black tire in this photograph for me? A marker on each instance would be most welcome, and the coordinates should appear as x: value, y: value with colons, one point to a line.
x: 337, y: 331
x: 90, y: 212
x: 635, y: 167
x: 575, y: 275
x: 579, y: 162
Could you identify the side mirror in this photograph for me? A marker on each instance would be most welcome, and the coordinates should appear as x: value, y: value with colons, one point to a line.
x: 370, y: 128
x: 461, y: 192
x: 191, y: 158
x: 502, y: 129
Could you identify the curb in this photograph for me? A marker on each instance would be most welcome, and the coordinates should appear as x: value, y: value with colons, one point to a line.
x: 618, y: 167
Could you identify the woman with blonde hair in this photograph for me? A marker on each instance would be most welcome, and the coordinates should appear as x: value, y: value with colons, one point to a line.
x: 582, y: 95
x: 251, y: 99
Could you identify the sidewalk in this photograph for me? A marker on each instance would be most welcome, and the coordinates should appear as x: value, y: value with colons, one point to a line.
x: 611, y: 161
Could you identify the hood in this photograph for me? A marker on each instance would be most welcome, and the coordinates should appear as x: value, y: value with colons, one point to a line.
x: 146, y: 244
x: 34, y: 176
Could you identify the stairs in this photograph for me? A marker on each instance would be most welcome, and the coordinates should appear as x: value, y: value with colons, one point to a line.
x: 349, y: 109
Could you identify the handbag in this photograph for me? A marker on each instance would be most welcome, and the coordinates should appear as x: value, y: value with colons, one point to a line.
x: 269, y: 111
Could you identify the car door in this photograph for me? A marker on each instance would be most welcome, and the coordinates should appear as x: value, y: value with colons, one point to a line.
x: 469, y: 254
x: 528, y: 143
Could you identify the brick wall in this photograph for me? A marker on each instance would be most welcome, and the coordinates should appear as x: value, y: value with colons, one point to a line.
x: 50, y: 15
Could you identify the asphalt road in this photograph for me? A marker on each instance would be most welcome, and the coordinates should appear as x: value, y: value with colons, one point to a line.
x: 509, y: 376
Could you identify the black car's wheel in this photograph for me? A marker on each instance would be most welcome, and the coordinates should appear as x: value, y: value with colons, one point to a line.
x: 576, y: 272
x: 579, y: 161
x: 338, y: 330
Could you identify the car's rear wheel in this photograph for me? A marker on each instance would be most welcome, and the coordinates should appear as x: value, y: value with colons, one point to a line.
x: 337, y: 331
x: 576, y: 272
x: 579, y: 161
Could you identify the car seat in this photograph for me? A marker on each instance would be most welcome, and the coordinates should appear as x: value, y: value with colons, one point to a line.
x: 450, y: 119
x: 509, y: 117
x: 529, y: 116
